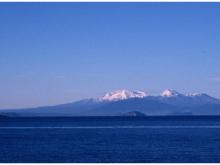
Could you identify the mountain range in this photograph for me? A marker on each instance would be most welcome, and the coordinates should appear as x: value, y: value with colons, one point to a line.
x: 121, y: 102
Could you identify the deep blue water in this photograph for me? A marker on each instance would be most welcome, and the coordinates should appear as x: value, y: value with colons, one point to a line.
x: 110, y: 139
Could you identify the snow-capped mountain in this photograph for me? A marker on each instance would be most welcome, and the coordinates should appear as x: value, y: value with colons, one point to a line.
x: 170, y: 93
x: 175, y: 98
x: 169, y: 102
x: 122, y: 95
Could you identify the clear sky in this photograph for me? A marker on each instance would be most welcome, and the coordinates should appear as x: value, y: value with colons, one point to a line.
x: 53, y: 53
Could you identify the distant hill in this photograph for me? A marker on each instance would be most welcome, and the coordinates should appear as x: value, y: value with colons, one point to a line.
x: 134, y: 114
x: 170, y: 102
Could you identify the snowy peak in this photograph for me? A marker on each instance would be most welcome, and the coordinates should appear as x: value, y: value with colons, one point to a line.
x: 166, y: 95
x: 196, y: 94
x: 170, y: 93
x: 122, y: 95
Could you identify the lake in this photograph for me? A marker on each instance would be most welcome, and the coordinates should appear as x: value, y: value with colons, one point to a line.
x: 110, y: 139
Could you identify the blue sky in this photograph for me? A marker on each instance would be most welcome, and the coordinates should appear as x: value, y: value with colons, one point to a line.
x: 54, y: 53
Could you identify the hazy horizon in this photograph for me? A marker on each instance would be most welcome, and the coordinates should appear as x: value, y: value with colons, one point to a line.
x: 54, y: 53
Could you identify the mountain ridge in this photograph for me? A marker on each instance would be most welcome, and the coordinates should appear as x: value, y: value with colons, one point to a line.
x: 123, y: 101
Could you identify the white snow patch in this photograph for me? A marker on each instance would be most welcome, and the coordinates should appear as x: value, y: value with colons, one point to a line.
x: 170, y: 93
x: 123, y: 94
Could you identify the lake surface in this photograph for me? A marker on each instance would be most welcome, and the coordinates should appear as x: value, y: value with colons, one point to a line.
x: 110, y: 139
